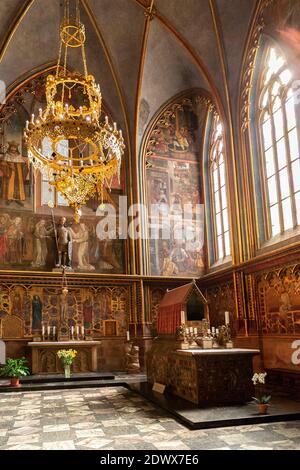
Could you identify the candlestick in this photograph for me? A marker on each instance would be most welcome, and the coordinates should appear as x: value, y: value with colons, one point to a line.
x: 227, y: 321
x: 127, y: 335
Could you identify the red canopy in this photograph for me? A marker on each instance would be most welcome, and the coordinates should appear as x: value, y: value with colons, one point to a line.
x: 169, y: 311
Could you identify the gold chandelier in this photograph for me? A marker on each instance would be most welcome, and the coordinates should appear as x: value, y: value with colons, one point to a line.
x: 78, y: 154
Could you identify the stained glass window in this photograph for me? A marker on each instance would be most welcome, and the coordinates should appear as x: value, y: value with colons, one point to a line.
x: 219, y: 192
x: 279, y: 145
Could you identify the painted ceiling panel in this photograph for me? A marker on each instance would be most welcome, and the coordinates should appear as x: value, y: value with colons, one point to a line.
x: 122, y: 29
x: 34, y: 45
x: 193, y: 19
x: 168, y: 70
x: 8, y: 11
x: 235, y: 18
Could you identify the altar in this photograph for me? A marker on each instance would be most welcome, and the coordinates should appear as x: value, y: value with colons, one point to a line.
x: 45, y: 359
x: 203, y: 376
x: 194, y: 360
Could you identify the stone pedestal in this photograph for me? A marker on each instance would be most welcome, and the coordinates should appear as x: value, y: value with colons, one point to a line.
x: 45, y: 360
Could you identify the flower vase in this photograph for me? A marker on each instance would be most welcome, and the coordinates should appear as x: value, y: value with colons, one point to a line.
x: 263, y: 408
x: 67, y: 368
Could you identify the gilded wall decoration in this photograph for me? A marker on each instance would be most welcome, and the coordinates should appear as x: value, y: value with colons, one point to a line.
x: 156, y: 296
x: 279, y: 301
x: 221, y: 298
x: 33, y: 306
x: 173, y: 180
x: 27, y: 232
x: 249, y: 61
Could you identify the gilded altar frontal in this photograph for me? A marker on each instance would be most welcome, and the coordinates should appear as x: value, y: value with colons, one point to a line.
x: 149, y: 226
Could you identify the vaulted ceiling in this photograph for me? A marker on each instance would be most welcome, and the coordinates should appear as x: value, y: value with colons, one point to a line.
x: 188, y: 43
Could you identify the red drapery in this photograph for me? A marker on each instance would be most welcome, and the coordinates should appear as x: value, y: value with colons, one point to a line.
x: 169, y: 318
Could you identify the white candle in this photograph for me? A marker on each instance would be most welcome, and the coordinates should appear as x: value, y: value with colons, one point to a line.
x: 208, y: 331
x: 213, y: 329
x: 227, y: 318
x: 195, y: 331
x: 217, y: 331
x: 187, y: 330
x: 77, y: 330
x: 82, y: 330
x: 191, y: 329
x: 54, y: 330
x: 43, y: 330
x: 72, y: 330
x: 182, y: 316
x: 127, y: 336
x: 48, y: 330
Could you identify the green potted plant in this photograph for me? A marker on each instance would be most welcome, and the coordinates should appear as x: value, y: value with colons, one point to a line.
x: 262, y: 400
x: 14, y: 369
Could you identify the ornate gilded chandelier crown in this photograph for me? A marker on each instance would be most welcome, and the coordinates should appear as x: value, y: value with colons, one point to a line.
x: 67, y: 142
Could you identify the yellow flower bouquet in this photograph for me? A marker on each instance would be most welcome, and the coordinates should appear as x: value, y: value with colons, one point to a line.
x: 67, y: 356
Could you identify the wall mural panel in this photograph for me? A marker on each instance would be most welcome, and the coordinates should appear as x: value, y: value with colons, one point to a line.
x: 173, y: 179
x: 279, y: 301
x: 24, y: 309
x: 27, y: 240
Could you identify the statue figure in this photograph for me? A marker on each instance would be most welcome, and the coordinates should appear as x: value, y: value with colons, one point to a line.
x: 64, y: 306
x: 133, y: 360
x: 64, y: 244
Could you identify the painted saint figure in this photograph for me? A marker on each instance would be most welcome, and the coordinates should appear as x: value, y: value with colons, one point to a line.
x: 4, y: 222
x: 41, y: 233
x: 37, y: 307
x: 15, y: 241
x: 15, y: 170
x: 88, y: 313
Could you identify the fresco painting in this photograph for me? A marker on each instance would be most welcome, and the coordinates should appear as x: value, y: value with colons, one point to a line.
x: 27, y: 225
x: 173, y: 181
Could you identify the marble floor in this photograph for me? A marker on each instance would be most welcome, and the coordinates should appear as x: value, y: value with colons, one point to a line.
x: 116, y: 418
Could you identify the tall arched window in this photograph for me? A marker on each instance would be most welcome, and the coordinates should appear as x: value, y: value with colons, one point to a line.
x: 279, y: 144
x: 218, y: 191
